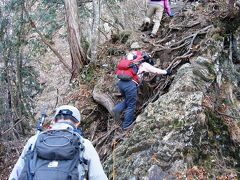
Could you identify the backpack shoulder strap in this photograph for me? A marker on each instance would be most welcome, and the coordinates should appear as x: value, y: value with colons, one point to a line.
x: 82, y: 160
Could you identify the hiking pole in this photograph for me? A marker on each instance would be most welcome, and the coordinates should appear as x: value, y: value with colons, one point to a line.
x: 40, y: 125
x: 42, y: 120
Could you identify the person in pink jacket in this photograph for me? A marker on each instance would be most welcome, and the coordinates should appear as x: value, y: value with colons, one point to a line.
x: 155, y: 7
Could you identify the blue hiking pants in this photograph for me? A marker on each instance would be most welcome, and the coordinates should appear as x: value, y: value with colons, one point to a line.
x: 128, y: 90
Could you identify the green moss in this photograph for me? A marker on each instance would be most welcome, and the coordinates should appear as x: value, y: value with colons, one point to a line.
x: 210, y: 67
x: 226, y: 101
x: 216, y: 123
x: 2, y: 106
x: 177, y: 123
x: 218, y: 37
x: 138, y: 148
x: 212, y: 145
x: 85, y: 43
x: 212, y: 47
x: 115, y: 51
x: 120, y: 37
x: 88, y: 73
x: 238, y: 123
x: 207, y: 163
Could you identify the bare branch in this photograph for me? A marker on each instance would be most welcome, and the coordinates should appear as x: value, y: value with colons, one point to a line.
x: 11, y: 128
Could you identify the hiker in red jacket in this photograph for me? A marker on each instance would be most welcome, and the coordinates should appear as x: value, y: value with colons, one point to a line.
x: 129, y: 71
x: 155, y: 7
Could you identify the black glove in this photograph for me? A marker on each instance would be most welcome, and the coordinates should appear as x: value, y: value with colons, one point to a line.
x: 151, y: 61
x: 146, y: 57
x: 169, y: 71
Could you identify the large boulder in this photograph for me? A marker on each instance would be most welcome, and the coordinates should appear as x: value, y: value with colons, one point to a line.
x: 166, y: 128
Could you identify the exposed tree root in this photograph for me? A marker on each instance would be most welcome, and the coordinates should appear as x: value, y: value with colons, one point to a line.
x: 103, y: 99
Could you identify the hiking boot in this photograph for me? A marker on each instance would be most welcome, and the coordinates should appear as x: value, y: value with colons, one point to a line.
x: 144, y: 27
x: 116, y: 115
x: 151, y: 26
x: 129, y: 126
x: 153, y: 35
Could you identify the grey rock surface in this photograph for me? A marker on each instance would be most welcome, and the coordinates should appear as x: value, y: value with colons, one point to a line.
x: 166, y: 127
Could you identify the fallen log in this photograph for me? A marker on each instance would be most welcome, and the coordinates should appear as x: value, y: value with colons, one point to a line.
x: 102, y: 97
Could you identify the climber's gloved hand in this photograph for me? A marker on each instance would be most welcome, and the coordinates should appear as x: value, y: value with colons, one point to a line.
x: 146, y: 57
x: 169, y: 72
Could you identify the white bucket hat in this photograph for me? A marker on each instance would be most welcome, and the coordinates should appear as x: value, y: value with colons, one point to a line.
x: 68, y: 110
x: 131, y: 56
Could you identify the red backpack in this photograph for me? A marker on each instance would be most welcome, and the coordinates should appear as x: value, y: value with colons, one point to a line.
x: 127, y: 69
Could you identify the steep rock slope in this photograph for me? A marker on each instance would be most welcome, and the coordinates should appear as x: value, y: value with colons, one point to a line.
x: 167, y: 127
x: 182, y: 133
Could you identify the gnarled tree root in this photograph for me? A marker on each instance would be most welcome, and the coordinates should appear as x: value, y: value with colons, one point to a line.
x: 104, y: 99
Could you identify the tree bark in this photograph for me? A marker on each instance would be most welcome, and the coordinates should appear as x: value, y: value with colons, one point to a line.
x: 95, y: 32
x: 19, y: 65
x: 231, y: 7
x: 77, y: 54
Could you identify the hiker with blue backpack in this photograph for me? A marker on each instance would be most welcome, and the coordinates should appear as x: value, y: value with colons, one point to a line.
x: 156, y: 9
x: 59, y: 153
x: 129, y: 71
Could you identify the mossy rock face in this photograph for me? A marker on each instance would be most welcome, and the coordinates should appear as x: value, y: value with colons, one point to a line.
x: 211, y: 144
x: 204, y: 69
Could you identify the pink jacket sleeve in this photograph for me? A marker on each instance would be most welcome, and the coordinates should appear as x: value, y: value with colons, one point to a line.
x: 167, y: 7
x: 145, y: 67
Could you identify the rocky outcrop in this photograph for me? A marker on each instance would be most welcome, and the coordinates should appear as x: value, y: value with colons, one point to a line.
x: 165, y: 130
